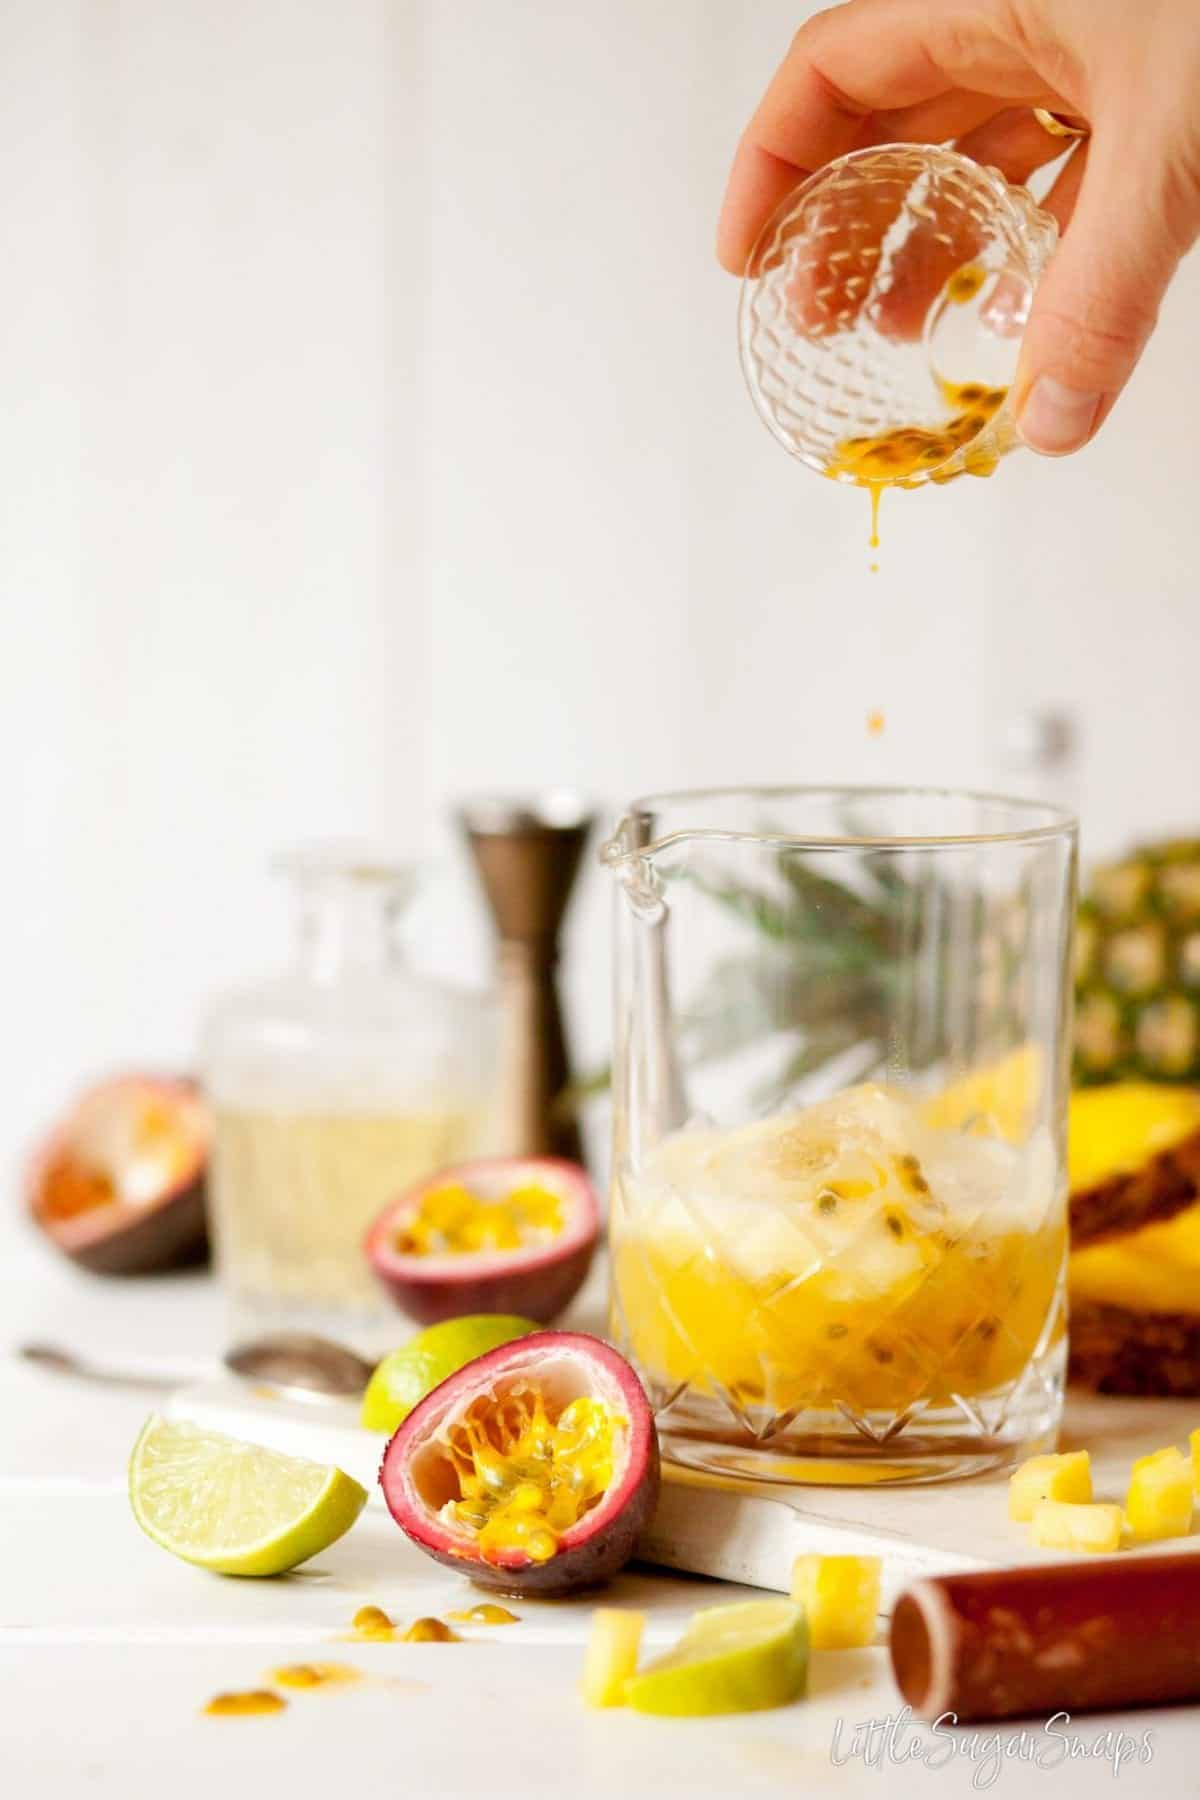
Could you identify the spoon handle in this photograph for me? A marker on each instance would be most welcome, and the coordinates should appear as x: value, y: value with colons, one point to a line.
x: 65, y: 1362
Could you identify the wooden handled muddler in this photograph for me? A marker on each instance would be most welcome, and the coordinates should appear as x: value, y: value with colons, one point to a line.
x: 1060, y: 1638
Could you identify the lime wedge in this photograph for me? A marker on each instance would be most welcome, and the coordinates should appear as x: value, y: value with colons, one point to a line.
x: 741, y: 1658
x: 406, y: 1375
x: 233, y: 1507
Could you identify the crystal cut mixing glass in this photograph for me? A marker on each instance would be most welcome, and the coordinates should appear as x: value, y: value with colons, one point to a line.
x: 838, y: 1224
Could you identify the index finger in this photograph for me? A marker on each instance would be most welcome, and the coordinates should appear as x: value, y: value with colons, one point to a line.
x: 843, y: 67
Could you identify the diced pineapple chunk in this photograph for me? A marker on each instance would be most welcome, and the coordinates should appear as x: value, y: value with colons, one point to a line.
x: 1194, y: 1441
x: 612, y: 1654
x: 1065, y: 1477
x: 1159, y: 1502
x: 1076, y: 1525
x: 840, y: 1595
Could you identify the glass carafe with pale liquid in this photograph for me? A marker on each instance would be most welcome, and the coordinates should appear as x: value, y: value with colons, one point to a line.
x: 334, y: 1086
x: 838, y: 1222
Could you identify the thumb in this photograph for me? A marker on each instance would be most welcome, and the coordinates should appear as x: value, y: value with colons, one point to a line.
x: 1098, y: 301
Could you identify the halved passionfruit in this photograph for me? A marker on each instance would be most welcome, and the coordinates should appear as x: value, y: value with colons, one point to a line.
x: 505, y: 1235
x: 118, y: 1185
x: 532, y: 1470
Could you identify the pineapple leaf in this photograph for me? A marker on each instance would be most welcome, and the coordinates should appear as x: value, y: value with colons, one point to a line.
x: 794, y: 925
x: 748, y: 998
x: 820, y: 1047
x: 835, y: 906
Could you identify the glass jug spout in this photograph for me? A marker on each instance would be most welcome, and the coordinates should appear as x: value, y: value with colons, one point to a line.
x: 629, y: 854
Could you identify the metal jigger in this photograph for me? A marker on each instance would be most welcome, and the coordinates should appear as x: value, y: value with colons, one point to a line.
x: 527, y: 852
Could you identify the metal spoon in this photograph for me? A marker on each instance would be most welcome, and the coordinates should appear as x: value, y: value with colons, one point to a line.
x: 65, y: 1362
x: 295, y: 1362
x: 302, y: 1362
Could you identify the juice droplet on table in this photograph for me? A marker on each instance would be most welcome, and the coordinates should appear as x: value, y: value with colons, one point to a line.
x: 430, y: 1631
x: 313, y: 1675
x: 485, y: 1614
x: 253, y: 1700
x: 372, y: 1623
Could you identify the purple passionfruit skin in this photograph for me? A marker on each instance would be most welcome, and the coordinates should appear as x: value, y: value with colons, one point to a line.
x: 165, y: 1227
x: 535, y: 1282
x: 417, y: 1481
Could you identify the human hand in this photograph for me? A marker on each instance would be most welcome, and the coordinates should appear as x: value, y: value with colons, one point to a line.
x: 929, y: 71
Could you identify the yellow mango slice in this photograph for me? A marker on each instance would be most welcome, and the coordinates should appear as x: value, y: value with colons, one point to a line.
x: 612, y: 1655
x: 1064, y: 1477
x: 1071, y: 1525
x: 1159, y: 1502
x: 840, y: 1595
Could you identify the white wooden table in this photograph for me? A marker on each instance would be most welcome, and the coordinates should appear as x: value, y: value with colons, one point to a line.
x: 109, y: 1649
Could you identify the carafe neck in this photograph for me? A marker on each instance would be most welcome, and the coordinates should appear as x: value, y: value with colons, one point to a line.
x: 348, y: 916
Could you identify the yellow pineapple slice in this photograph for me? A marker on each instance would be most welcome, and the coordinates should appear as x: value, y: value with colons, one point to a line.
x: 1066, y: 1477
x: 1159, y: 1502
x: 1001, y: 1097
x: 840, y: 1595
x: 1071, y: 1525
x: 612, y: 1654
x: 1119, y: 1129
x: 1194, y: 1441
x: 1155, y: 1269
x: 1135, y: 1238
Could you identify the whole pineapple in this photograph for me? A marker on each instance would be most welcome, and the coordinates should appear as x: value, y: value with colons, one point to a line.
x: 1137, y: 972
x: 1135, y: 1144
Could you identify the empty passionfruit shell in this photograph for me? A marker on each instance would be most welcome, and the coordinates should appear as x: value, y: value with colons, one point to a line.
x: 504, y: 1235
x: 118, y: 1185
x: 532, y: 1470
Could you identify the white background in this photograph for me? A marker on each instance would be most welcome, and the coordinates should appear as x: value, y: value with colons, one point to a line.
x: 372, y: 432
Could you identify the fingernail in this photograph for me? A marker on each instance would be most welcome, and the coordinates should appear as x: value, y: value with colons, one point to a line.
x: 1056, y: 419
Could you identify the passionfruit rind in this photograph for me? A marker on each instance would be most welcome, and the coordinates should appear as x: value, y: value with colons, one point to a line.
x: 419, y: 1481
x: 536, y: 1280
x: 118, y: 1185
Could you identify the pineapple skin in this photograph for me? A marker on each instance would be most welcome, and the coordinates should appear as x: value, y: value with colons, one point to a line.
x: 1134, y: 1271
x: 1134, y: 1157
x: 1137, y: 969
x: 1115, y: 1350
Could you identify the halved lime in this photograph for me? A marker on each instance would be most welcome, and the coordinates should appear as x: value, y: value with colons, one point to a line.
x: 406, y: 1375
x: 233, y: 1507
x: 740, y: 1658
